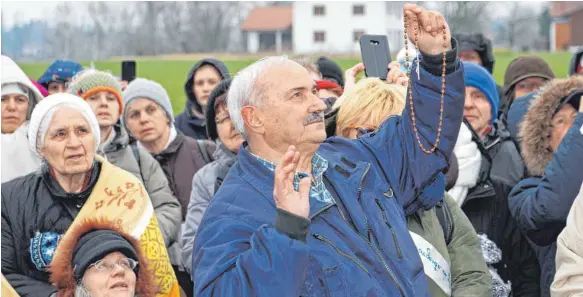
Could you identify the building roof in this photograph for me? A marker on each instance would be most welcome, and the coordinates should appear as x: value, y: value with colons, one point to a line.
x: 269, y: 18
x: 565, y: 8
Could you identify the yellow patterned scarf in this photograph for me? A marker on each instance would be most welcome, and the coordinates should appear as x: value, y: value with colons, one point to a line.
x: 120, y: 197
x: 7, y: 289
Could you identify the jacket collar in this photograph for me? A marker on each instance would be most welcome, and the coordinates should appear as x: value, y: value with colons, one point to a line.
x: 223, y: 155
x: 58, y: 192
x: 174, y: 145
x: 120, y: 140
x: 341, y: 172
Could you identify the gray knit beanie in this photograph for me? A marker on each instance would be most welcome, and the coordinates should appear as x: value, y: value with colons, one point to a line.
x: 145, y: 88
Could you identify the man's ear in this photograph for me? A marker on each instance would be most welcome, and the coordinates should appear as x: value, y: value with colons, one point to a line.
x: 253, y: 118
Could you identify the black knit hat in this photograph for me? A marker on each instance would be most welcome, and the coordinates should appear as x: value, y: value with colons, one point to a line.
x: 479, y: 43
x: 96, y: 244
x: 211, y: 126
x: 330, y: 70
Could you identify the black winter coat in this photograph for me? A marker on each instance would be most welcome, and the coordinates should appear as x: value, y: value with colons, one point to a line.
x: 486, y: 206
x: 31, y: 204
x: 507, y: 163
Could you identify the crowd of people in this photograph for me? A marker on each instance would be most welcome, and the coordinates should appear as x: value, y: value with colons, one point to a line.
x: 294, y: 178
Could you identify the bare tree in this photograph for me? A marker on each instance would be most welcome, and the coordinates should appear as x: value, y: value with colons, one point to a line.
x: 521, y: 26
x: 100, y: 15
x: 465, y: 16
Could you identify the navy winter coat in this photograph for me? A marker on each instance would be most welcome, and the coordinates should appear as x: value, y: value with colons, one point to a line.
x: 358, y: 246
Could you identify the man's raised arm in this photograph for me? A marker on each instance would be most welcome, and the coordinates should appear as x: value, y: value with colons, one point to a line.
x: 401, y: 138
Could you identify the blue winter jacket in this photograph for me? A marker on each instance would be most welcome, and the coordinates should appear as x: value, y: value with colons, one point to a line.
x: 541, y: 204
x: 243, y: 249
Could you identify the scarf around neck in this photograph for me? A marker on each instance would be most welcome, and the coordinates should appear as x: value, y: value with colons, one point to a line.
x: 469, y: 160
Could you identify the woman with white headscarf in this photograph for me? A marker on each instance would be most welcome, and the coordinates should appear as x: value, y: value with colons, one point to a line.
x: 73, y: 185
x: 19, y: 96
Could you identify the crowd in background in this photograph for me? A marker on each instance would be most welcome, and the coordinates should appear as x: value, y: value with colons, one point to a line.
x: 106, y: 192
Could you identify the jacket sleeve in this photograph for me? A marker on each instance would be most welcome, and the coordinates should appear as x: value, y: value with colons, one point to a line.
x: 469, y: 273
x: 520, y: 259
x: 229, y: 251
x: 166, y: 205
x: 200, y: 198
x: 24, y: 285
x: 541, y: 208
x: 569, y: 260
x: 408, y: 165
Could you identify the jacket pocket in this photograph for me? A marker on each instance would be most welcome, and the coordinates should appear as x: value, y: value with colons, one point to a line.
x: 340, y: 252
x: 395, y: 241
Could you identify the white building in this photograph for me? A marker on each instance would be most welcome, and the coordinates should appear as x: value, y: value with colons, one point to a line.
x: 334, y: 27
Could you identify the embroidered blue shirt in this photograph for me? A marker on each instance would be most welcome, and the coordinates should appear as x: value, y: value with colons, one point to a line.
x: 318, y: 189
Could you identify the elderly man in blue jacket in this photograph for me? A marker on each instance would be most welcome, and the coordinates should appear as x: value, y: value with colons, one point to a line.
x: 302, y: 215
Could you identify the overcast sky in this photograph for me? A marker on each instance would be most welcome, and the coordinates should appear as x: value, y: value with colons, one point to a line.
x: 24, y: 11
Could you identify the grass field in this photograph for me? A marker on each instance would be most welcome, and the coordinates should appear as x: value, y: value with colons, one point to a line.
x: 171, y: 73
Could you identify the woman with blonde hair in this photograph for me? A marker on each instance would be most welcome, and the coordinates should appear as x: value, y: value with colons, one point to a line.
x: 443, y: 235
x: 368, y: 105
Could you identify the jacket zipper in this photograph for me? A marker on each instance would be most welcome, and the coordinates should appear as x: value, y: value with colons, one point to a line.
x: 339, y: 251
x: 399, y: 253
x: 391, y: 274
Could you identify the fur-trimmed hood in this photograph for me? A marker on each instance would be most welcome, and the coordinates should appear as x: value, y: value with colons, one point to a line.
x: 535, y: 129
x: 61, y: 268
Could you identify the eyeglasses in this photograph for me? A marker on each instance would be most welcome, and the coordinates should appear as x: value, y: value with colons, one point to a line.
x: 103, y: 266
x: 362, y: 130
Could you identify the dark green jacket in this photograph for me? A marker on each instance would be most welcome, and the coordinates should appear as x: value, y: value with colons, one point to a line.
x: 468, y: 272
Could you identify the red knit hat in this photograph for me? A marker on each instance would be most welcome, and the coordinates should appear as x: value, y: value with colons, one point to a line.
x: 329, y: 85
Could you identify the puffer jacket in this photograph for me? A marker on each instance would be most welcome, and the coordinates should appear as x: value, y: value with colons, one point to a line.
x: 486, y: 206
x: 462, y: 255
x: 35, y: 206
x: 507, y: 163
x: 359, y: 244
x: 192, y: 121
x: 204, y: 185
x: 17, y: 158
x: 541, y: 203
x: 166, y: 205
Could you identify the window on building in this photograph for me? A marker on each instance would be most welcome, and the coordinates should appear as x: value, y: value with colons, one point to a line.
x: 319, y: 36
x: 319, y: 10
x: 356, y: 35
x: 358, y: 9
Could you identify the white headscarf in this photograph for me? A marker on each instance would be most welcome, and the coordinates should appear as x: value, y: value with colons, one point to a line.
x: 43, y: 114
x: 469, y: 160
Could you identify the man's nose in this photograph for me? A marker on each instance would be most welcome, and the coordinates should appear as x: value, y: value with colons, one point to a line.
x: 319, y: 105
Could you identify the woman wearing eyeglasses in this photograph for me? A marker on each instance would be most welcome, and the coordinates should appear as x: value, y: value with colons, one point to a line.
x: 101, y: 260
x: 450, y: 239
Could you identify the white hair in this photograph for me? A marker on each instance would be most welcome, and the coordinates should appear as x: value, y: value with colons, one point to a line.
x: 244, y: 90
x: 81, y: 290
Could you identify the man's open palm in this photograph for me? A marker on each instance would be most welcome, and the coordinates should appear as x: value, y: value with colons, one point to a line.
x: 286, y: 197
